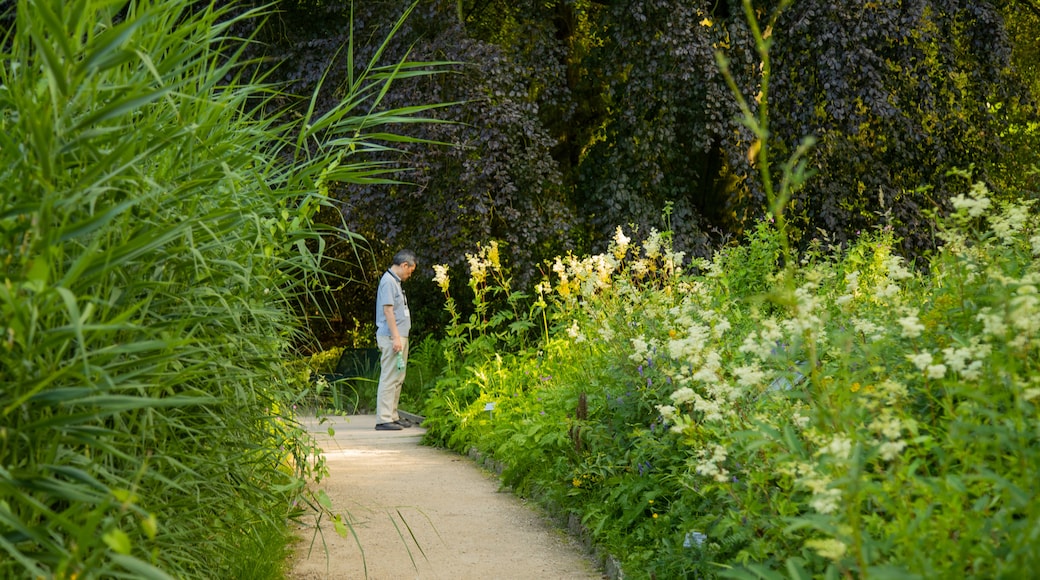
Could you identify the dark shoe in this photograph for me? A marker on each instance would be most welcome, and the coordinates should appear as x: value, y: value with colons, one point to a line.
x: 404, y: 422
x: 388, y: 427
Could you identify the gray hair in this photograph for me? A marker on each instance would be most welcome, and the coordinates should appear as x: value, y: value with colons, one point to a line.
x: 404, y: 256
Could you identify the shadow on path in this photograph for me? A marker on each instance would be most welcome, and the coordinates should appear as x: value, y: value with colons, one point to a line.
x: 427, y: 513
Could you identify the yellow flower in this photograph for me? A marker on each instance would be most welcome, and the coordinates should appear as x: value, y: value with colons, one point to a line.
x: 855, y: 387
x: 477, y: 268
x: 492, y: 255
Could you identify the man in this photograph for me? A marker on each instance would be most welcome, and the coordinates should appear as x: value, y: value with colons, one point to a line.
x: 392, y: 324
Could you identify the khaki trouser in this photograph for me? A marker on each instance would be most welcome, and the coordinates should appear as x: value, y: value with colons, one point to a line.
x: 390, y: 380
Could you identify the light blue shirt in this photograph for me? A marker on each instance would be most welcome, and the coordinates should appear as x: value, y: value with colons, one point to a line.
x: 390, y: 292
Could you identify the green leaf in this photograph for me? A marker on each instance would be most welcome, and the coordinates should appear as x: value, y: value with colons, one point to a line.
x: 796, y: 569
x: 117, y: 540
x: 341, y: 528
x: 139, y: 568
x: 324, y: 500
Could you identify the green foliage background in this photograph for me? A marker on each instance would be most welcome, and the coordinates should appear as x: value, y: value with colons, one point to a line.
x: 580, y: 115
x: 774, y: 413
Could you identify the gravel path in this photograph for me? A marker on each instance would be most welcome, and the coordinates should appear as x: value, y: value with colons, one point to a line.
x: 425, y: 513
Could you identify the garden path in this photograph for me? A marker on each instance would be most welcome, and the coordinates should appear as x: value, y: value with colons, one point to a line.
x: 424, y: 513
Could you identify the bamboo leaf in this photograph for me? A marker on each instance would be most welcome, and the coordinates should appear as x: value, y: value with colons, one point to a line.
x: 120, y: 108
x: 108, y: 52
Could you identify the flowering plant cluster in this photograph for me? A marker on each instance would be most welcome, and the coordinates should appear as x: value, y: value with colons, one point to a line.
x: 849, y: 410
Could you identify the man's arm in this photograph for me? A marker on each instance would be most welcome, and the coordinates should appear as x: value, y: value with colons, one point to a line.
x: 391, y: 324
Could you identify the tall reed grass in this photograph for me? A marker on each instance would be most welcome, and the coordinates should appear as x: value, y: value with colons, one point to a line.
x: 154, y: 233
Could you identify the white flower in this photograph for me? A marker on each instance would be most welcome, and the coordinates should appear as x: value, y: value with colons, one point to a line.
x: 992, y: 324
x: 667, y: 412
x: 976, y: 204
x: 889, y: 291
x: 621, y: 242
x: 852, y: 281
x: 824, y: 501
x: 1009, y: 223
x: 652, y: 245
x: 867, y: 328
x: 936, y: 371
x: 896, y: 271
x: 707, y: 374
x: 973, y: 371
x: 889, y: 450
x: 441, y: 276
x: 839, y: 448
x: 720, y: 327
x: 575, y: 332
x: 558, y: 266
x: 912, y: 327
x: 760, y: 348
x: 893, y: 390
x: 477, y: 268
x: 749, y: 376
x: 709, y: 408
x: 956, y: 358
x: 639, y: 346
x: 800, y: 420
x: 829, y: 548
x: 683, y: 395
x: 888, y: 425
x: 709, y: 464
x: 685, y: 348
x: 921, y: 360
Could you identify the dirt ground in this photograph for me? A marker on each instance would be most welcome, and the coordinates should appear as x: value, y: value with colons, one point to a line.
x: 425, y: 513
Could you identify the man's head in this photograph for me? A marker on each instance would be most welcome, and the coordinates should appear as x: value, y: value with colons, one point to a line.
x: 404, y: 264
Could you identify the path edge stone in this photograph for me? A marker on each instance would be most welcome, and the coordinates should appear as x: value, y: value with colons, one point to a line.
x: 561, y: 517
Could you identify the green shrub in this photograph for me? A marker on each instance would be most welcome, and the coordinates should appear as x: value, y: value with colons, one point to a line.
x: 871, y: 409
